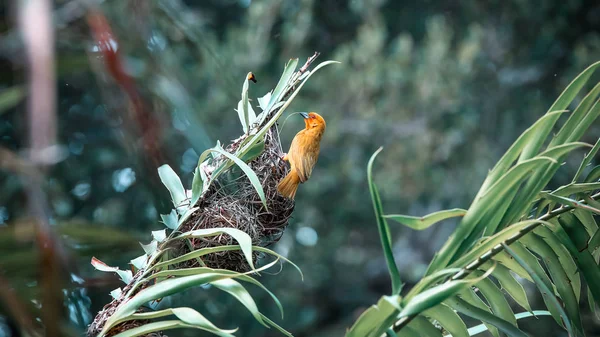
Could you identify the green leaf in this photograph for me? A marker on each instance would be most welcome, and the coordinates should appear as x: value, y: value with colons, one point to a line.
x: 427, y: 281
x: 188, y: 213
x: 588, y: 158
x: 592, y: 303
x: 484, y: 316
x: 420, y: 223
x: 495, y: 299
x: 509, y: 262
x: 116, y: 293
x: 263, y: 102
x: 534, y: 264
x: 516, y: 148
x: 187, y: 316
x: 569, y: 189
x: 245, y: 111
x: 241, y: 237
x: 469, y: 296
x: 424, y: 326
x: 535, y: 275
x: 448, y: 319
x: 436, y: 295
x: 564, y: 257
x: 586, y: 122
x: 276, y: 326
x: 376, y: 319
x: 384, y: 230
x: 569, y: 202
x: 140, y: 261
x: 493, y: 241
x: 575, y: 118
x: 158, y: 326
x: 573, y: 235
x: 204, y: 251
x: 170, y: 220
x: 482, y: 328
x: 253, y: 152
x: 587, y: 219
x: 288, y: 71
x: 563, y: 101
x: 511, y: 286
x: 10, y: 97
x: 150, y: 248
x: 172, y: 182
x: 407, y: 331
x: 248, y: 171
x: 235, y: 289
x: 559, y: 277
x: 521, y: 205
x: 457, y: 242
x: 156, y: 291
x: 125, y: 275
x: 594, y: 242
x: 159, y: 235
x: 594, y: 175
x: 197, y: 186
x: 170, y: 273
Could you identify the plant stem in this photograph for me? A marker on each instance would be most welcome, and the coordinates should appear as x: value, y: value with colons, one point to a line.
x: 495, y: 250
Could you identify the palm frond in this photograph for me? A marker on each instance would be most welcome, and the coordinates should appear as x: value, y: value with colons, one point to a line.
x: 513, y: 227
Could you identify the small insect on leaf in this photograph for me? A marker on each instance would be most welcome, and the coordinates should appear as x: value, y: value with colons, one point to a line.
x: 252, y: 77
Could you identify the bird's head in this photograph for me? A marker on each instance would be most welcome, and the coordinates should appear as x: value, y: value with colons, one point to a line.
x: 313, y: 120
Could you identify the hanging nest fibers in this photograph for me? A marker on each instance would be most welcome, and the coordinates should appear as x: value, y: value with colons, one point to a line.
x: 234, y: 191
x: 233, y: 202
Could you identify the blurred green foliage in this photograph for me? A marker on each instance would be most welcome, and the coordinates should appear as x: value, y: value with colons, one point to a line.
x: 444, y: 87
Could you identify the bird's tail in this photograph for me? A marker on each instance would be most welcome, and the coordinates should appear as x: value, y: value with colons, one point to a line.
x: 289, y: 185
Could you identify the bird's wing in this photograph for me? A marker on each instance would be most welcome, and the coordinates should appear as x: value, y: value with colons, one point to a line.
x: 303, y: 155
x: 308, y: 162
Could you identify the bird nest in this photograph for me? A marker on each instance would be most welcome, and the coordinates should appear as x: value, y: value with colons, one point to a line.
x: 233, y: 202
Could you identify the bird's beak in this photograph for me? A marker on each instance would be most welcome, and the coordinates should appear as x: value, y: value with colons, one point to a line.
x: 304, y: 115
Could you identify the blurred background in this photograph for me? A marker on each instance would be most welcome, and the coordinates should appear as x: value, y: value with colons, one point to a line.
x: 444, y: 86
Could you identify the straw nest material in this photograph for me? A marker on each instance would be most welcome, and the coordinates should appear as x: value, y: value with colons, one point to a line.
x: 233, y: 202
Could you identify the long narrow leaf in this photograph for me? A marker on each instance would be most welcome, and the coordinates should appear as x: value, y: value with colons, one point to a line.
x: 448, y: 319
x: 249, y: 173
x: 158, y: 326
x: 384, y: 230
x: 542, y: 285
x: 241, y: 237
x: 188, y: 316
x: 511, y: 286
x: 496, y: 300
x: 482, y: 328
x: 172, y: 182
x: 425, y: 327
x: 420, y: 223
x: 575, y: 238
x: 575, y: 118
x: 376, y: 319
x: 587, y: 159
x: 235, y: 289
x: 487, y: 317
x: 563, y: 101
x: 559, y: 277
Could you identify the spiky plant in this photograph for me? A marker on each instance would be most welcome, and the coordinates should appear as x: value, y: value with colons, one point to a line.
x: 217, y: 229
x: 513, y: 228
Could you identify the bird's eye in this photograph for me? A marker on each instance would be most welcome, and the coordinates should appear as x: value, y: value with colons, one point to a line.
x: 312, y: 117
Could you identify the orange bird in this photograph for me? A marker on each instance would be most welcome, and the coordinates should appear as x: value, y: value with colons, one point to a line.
x: 303, y: 154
